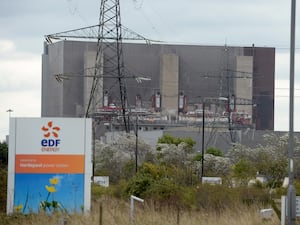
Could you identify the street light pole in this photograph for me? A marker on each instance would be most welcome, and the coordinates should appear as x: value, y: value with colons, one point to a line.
x: 136, y: 143
x: 203, y: 128
x: 291, y: 195
x: 203, y: 136
x: 94, y: 148
x: 9, y: 116
x: 9, y: 112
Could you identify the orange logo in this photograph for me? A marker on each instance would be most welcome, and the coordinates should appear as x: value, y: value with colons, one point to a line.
x: 49, y: 129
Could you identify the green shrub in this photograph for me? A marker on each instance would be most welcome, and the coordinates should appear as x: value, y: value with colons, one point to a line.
x: 197, y: 157
x: 128, y: 170
x: 156, y: 181
x: 138, y: 185
x: 255, y: 196
x: 98, y: 191
x: 214, y: 151
x: 297, y: 186
x: 169, y: 139
x: 244, y: 170
x: 216, y: 197
x: 188, y: 197
x: 164, y: 190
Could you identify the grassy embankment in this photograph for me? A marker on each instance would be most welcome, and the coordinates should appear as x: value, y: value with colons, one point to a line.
x: 118, y: 212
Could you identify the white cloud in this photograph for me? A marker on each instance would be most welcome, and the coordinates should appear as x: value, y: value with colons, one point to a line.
x: 6, y: 46
x: 19, y: 70
x: 20, y: 84
x: 23, y: 103
x: 282, y: 105
x: 240, y: 22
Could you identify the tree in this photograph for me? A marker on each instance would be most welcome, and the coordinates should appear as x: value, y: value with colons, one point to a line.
x: 3, y: 154
x: 243, y: 171
x: 3, y: 175
x: 169, y: 139
x: 156, y: 181
x: 3, y: 189
x: 173, y: 154
x: 174, y: 150
x: 117, y: 160
x: 269, y: 160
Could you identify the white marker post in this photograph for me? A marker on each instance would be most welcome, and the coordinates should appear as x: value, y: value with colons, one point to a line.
x: 132, y: 199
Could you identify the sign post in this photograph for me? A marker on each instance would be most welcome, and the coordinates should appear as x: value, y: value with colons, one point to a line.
x: 132, y: 199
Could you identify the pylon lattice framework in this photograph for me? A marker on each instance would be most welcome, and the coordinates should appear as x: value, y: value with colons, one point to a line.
x: 109, y: 39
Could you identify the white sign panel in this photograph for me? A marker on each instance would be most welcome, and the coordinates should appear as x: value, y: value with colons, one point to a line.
x: 211, y: 180
x: 102, y: 180
x: 49, y: 165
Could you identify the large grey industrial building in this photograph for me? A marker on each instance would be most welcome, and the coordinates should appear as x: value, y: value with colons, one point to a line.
x: 182, y: 78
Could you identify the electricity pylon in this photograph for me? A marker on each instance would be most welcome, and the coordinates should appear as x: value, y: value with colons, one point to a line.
x: 109, y: 34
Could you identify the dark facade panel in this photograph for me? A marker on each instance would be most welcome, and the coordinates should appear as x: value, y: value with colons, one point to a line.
x: 263, y: 86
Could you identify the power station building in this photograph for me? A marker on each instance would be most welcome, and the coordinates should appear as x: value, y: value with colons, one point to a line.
x: 181, y: 81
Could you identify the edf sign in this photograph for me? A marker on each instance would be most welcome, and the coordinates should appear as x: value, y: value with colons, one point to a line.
x: 50, y: 142
x: 48, y: 157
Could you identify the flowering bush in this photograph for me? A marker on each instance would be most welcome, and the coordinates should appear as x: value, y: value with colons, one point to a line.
x: 115, y: 159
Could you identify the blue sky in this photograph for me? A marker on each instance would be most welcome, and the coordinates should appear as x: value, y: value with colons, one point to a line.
x: 30, y: 191
x: 217, y: 22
